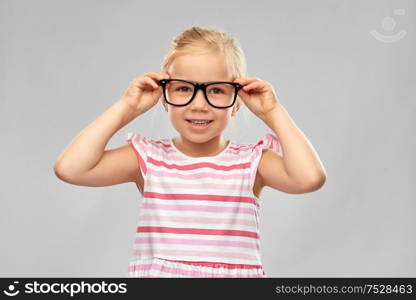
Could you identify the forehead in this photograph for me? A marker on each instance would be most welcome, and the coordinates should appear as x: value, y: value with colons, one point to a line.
x: 200, y: 68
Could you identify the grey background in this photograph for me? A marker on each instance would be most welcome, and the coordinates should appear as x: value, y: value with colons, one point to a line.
x: 63, y: 63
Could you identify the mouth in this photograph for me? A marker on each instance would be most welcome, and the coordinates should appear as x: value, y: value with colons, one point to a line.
x: 199, y: 121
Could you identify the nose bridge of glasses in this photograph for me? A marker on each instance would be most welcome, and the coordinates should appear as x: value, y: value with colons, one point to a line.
x: 200, y: 86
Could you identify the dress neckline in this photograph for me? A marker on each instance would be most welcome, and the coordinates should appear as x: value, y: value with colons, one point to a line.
x: 200, y: 157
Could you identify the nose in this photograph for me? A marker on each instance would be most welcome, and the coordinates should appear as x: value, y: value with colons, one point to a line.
x: 199, y: 100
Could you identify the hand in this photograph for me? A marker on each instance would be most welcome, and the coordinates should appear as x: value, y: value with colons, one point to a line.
x: 144, y: 91
x: 258, y: 95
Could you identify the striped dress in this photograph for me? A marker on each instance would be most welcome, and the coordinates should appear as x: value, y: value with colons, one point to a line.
x: 198, y: 216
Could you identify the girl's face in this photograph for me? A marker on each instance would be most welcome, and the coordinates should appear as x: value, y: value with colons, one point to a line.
x: 200, y: 68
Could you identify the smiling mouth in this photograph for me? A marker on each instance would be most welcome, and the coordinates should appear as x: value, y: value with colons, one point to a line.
x: 199, y: 121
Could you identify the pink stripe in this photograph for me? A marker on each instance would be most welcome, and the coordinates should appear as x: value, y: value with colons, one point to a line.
x: 163, y: 144
x: 199, y: 175
x: 198, y: 165
x: 151, y: 240
x: 154, y: 143
x: 226, y: 232
x: 205, y: 220
x: 219, y: 276
x: 240, y: 147
x: 179, y: 271
x: 215, y: 264
x: 198, y: 186
x: 196, y: 253
x: 205, y: 208
x: 222, y: 198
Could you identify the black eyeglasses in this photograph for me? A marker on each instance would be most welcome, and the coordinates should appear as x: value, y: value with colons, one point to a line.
x: 219, y: 94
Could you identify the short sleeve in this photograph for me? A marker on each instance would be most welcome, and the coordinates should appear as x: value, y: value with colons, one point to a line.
x: 270, y: 141
x: 140, y: 146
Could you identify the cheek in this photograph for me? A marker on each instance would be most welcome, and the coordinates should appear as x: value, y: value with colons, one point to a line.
x: 226, y: 116
x: 223, y: 119
x: 176, y: 117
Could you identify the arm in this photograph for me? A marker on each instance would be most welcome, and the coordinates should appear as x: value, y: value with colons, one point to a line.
x: 299, y: 170
x: 84, y: 161
x: 79, y: 162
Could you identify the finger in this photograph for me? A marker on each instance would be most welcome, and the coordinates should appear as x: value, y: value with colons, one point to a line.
x: 242, y: 95
x: 150, y: 82
x: 254, y: 85
x: 152, y: 74
x: 246, y: 80
x: 163, y: 76
x: 158, y: 75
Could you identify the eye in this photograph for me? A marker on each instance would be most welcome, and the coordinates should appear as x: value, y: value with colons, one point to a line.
x: 217, y: 90
x: 182, y: 88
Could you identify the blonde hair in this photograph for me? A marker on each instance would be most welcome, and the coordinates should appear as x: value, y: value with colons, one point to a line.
x: 198, y: 41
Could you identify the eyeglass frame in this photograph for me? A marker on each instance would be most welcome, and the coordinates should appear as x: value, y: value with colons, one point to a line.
x: 203, y: 86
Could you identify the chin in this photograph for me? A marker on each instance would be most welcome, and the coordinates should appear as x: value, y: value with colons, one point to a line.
x: 198, y: 139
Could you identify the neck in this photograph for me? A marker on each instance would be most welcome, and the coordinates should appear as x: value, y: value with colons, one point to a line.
x: 208, y: 148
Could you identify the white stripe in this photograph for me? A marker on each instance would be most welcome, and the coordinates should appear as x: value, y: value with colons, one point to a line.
x: 198, y: 203
x: 197, y: 225
x: 196, y: 213
x: 198, y: 236
x: 214, y: 192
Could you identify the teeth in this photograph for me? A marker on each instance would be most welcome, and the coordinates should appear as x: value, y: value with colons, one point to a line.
x: 199, y: 122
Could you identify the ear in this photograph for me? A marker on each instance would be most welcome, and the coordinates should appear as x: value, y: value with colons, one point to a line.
x: 236, y: 106
x: 165, y: 105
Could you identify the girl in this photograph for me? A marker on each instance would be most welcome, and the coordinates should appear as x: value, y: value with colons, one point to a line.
x: 200, y: 211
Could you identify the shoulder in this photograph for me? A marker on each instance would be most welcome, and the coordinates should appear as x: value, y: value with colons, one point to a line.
x: 240, y: 147
x: 160, y: 144
x: 269, y: 141
x: 145, y: 141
